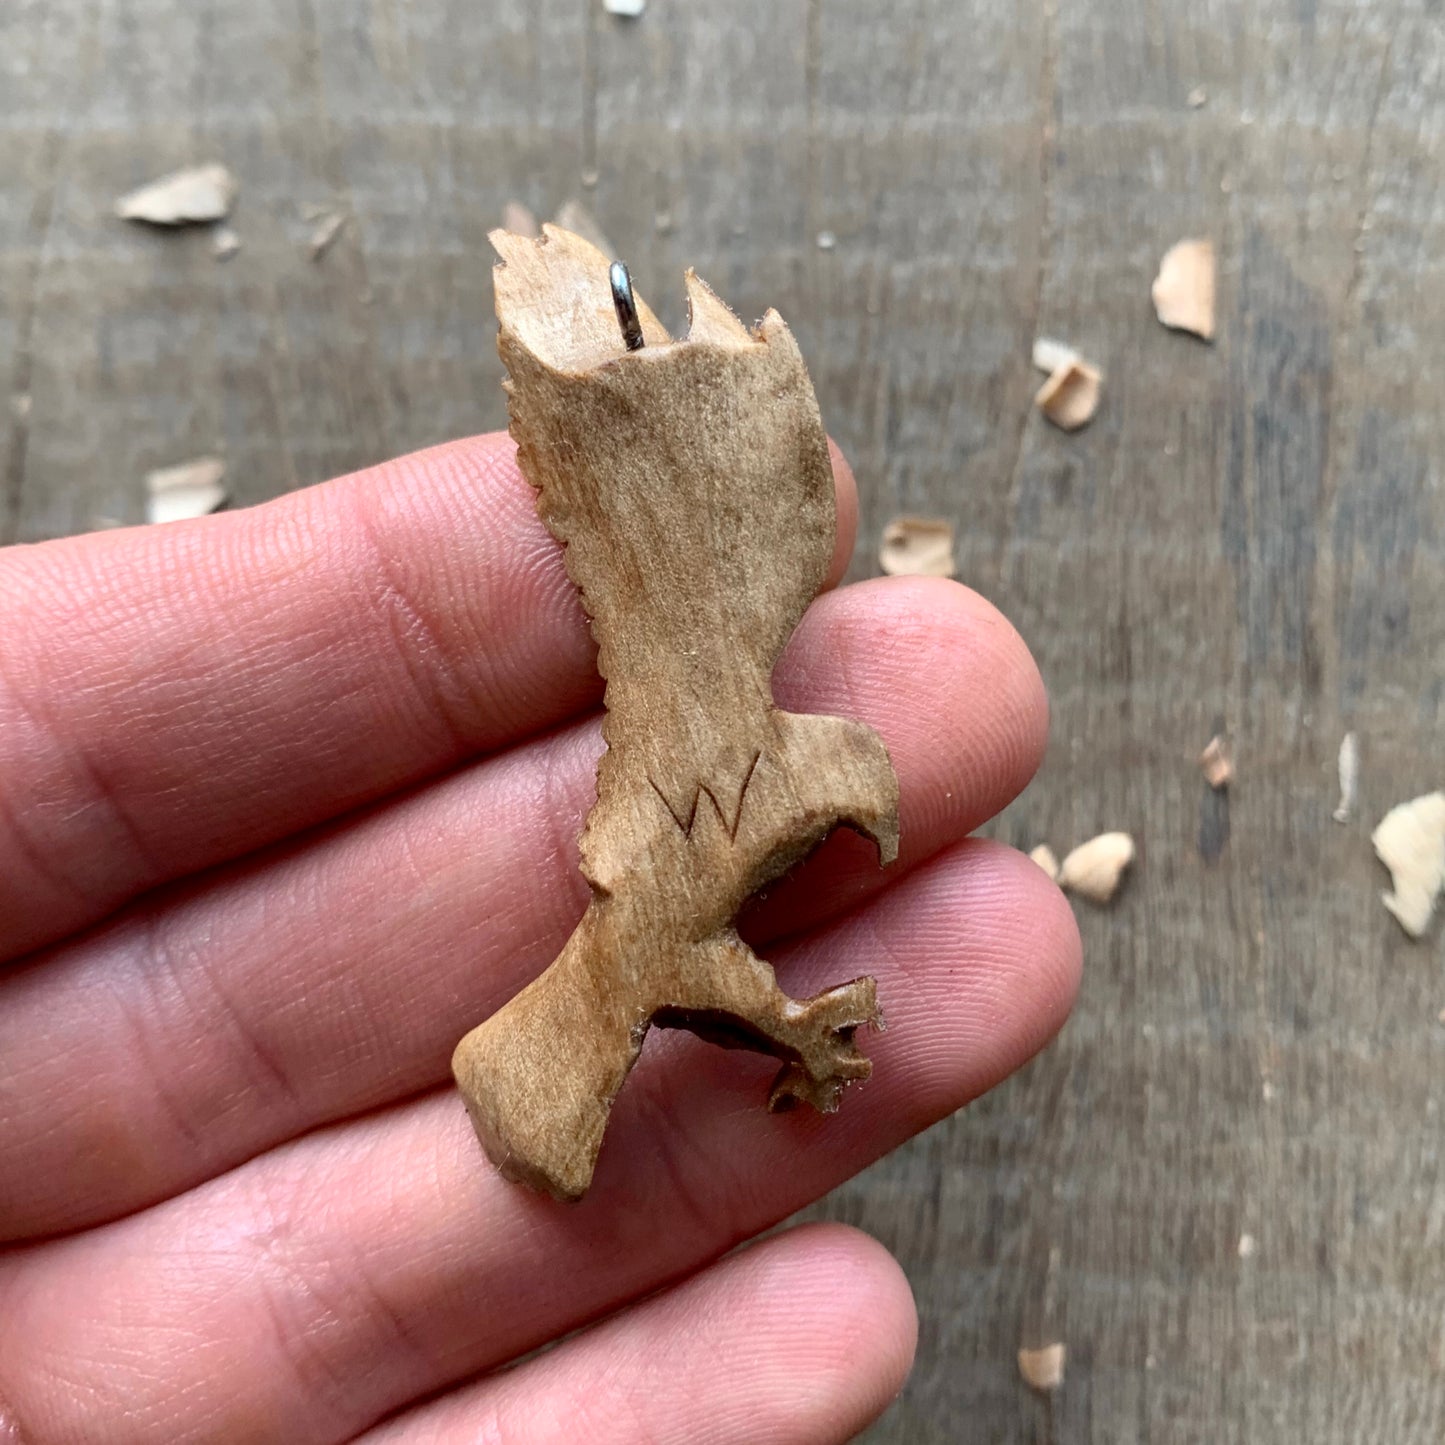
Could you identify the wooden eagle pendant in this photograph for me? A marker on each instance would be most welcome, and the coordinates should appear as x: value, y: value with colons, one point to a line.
x: 690, y: 484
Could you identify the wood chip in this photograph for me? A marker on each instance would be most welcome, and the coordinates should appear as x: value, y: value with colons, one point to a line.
x: 20, y: 404
x: 1198, y: 97
x: 519, y: 220
x: 575, y: 217
x: 1070, y: 396
x: 328, y: 228
x: 628, y: 9
x: 192, y: 489
x: 1248, y: 1246
x: 827, y: 240
x: 200, y: 193
x: 1410, y: 842
x: 917, y: 547
x: 1349, y: 777
x: 1184, y: 288
x: 225, y: 243
x: 1050, y: 355
x: 1043, y: 855
x: 1043, y: 1369
x: 1094, y: 868
x: 1216, y: 765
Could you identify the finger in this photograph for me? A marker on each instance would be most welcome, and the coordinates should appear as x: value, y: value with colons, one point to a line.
x: 338, y: 976
x: 377, y: 1261
x: 173, y: 696
x: 801, y: 1340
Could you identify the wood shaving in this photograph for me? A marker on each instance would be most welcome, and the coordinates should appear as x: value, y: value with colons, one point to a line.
x: 519, y: 220
x: 1198, y: 97
x: 1049, y: 355
x: 826, y: 240
x: 328, y: 228
x: 199, y: 193
x: 192, y: 489
x: 1043, y: 855
x: 1070, y: 397
x: 1183, y: 290
x: 1410, y: 842
x: 1349, y: 777
x: 1214, y: 761
x: 575, y: 217
x: 1095, y: 868
x: 917, y: 547
x: 1043, y: 1369
x: 628, y: 9
x: 225, y: 243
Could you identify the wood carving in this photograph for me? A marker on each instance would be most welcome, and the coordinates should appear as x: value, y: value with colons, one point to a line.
x: 689, y: 481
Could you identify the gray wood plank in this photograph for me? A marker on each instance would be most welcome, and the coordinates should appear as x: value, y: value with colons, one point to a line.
x: 1249, y: 536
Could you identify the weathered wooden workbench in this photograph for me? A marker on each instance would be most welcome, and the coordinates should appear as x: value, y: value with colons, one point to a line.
x: 1250, y: 537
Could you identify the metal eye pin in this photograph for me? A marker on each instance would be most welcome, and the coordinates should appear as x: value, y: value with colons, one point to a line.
x: 626, y: 306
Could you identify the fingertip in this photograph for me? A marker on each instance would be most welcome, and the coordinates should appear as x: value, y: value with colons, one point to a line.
x: 1055, y: 970
x: 945, y: 679
x: 1029, y: 956
x: 882, y: 1296
x: 846, y: 487
x: 978, y: 961
x: 983, y: 643
x: 859, y: 1365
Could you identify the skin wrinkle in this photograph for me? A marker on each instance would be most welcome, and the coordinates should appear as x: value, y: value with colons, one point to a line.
x: 433, y: 672
x: 261, y: 1065
x: 298, y: 1351
x: 32, y: 851
x: 142, y: 1044
x: 36, y: 857
x: 555, y: 807
x: 524, y: 577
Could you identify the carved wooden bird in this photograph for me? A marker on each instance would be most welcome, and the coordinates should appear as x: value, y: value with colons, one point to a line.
x: 690, y: 484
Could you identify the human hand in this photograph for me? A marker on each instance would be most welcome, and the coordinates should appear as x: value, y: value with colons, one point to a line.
x: 288, y: 802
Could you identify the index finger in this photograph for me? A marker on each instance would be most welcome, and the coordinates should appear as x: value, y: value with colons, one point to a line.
x: 174, y: 696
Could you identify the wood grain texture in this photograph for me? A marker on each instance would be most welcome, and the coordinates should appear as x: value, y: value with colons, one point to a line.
x: 690, y: 484
x: 1248, y: 538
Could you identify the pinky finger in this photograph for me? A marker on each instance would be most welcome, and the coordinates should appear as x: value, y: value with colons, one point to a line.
x: 802, y: 1339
